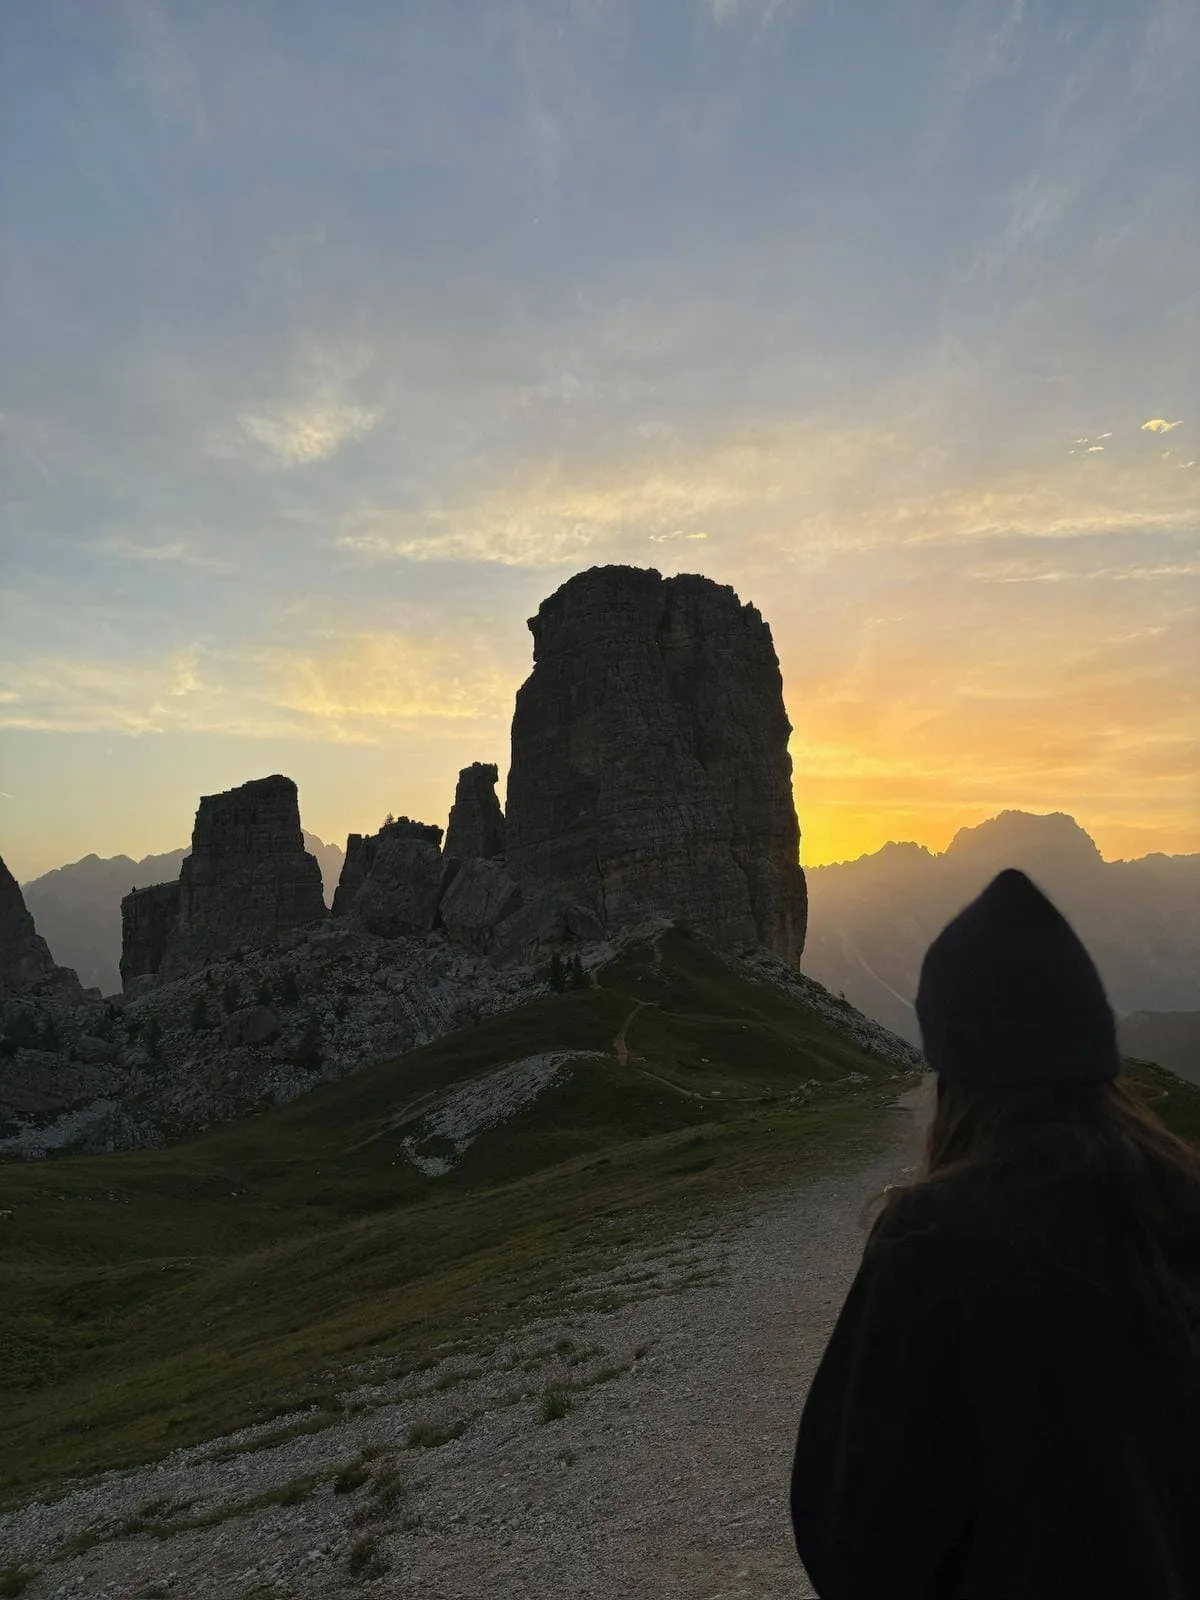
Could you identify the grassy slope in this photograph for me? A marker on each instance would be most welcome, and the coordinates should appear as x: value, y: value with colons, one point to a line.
x: 155, y: 1298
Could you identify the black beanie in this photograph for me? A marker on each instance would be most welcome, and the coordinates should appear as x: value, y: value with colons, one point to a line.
x: 1009, y: 995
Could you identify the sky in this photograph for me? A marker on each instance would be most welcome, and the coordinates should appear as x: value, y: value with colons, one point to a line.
x: 333, y: 338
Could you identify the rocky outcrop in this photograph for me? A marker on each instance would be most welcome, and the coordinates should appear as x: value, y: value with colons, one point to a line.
x: 363, y: 850
x: 149, y: 917
x: 26, y: 965
x: 480, y: 896
x: 650, y: 772
x: 400, y: 895
x: 476, y: 827
x: 247, y: 880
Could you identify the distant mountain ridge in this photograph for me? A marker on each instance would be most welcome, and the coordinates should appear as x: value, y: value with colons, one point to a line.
x: 871, y: 920
x: 77, y: 907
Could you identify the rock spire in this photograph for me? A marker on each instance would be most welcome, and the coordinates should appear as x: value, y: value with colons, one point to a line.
x: 650, y: 772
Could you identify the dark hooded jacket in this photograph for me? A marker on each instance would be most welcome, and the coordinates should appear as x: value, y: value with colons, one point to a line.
x: 1001, y: 1414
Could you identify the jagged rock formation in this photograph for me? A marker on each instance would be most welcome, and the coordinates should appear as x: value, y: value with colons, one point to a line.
x: 400, y: 894
x: 364, y: 850
x: 480, y: 897
x: 149, y: 917
x: 77, y: 907
x: 476, y: 827
x: 650, y: 772
x: 247, y: 880
x: 26, y: 965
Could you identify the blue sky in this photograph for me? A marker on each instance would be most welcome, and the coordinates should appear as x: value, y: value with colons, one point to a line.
x: 334, y: 337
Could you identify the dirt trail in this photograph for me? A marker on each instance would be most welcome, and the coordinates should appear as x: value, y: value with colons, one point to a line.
x: 666, y: 1480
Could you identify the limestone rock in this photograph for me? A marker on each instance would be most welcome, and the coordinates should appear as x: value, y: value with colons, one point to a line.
x: 247, y: 880
x: 400, y: 894
x: 480, y: 896
x: 254, y: 1026
x: 26, y: 965
x: 540, y: 926
x: 362, y: 849
x: 476, y: 828
x: 650, y: 772
x: 149, y: 917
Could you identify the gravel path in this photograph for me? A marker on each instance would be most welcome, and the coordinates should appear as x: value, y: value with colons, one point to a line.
x: 666, y: 1479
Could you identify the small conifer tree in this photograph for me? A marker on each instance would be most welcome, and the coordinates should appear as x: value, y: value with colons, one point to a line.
x: 154, y: 1037
x: 231, y: 997
x: 558, y: 973
x: 201, y: 1021
x: 308, y: 1051
x: 289, y: 990
x: 576, y: 976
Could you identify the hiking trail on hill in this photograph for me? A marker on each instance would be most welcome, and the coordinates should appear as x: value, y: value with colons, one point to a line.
x: 683, y: 1371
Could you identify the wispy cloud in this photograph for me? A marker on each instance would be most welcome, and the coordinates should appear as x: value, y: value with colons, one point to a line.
x: 173, y: 552
x: 1160, y: 425
x: 349, y: 687
x: 297, y: 435
x: 790, y: 491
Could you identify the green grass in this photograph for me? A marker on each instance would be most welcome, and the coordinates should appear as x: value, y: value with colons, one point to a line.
x: 159, y: 1298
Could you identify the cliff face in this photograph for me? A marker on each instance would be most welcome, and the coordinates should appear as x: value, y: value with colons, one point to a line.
x: 476, y: 828
x: 247, y: 880
x: 650, y: 773
x: 26, y: 965
x: 148, y: 919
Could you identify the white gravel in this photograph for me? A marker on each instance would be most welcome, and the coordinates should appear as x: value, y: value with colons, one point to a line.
x: 665, y: 1481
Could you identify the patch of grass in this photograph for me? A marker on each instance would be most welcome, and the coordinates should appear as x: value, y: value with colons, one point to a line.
x: 205, y: 1313
x: 15, y: 1580
x: 451, y: 1380
x: 429, y: 1435
x: 367, y: 1558
x: 351, y: 1477
x: 556, y: 1403
x: 277, y: 1436
x: 607, y: 1374
x: 386, y: 1493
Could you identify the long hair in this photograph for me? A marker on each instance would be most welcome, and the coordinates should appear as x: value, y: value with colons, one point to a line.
x: 1035, y: 1136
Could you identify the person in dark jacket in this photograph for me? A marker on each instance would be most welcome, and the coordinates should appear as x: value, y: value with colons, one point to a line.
x: 1009, y: 1406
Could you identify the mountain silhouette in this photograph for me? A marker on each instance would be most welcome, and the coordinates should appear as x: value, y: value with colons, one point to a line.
x: 871, y: 920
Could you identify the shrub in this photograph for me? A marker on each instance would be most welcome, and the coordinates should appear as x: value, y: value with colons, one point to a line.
x: 201, y: 1021
x: 555, y: 1405
x: 154, y: 1037
x: 289, y: 990
x: 308, y: 1051
x: 231, y: 995
x: 350, y: 1478
x: 367, y: 1560
x: 263, y: 994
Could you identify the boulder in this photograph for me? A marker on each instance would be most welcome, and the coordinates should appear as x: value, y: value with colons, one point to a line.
x: 362, y: 849
x: 480, y: 895
x: 539, y: 927
x: 400, y: 894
